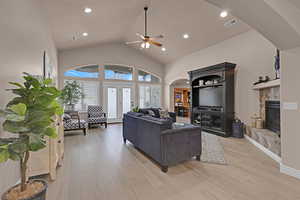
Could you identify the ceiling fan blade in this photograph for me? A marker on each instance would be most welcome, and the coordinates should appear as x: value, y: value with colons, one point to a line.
x: 157, y: 36
x: 134, y: 42
x: 155, y: 43
x: 141, y: 36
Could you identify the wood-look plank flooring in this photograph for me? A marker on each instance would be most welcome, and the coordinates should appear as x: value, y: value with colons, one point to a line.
x: 99, y: 166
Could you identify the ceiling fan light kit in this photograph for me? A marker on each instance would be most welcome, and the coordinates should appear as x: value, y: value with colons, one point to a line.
x: 145, y: 45
x: 146, y: 40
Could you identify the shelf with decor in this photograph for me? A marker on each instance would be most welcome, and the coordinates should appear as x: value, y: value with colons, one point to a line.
x: 269, y: 84
x: 211, y: 85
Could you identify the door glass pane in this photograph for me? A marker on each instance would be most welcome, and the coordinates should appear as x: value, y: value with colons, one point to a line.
x: 90, y: 90
x: 112, y: 103
x: 149, y: 96
x: 155, y: 96
x: 145, y: 96
x: 126, y: 100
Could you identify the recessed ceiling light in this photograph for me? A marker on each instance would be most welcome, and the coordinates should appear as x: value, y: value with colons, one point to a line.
x: 85, y: 34
x: 186, y: 36
x: 224, y: 14
x: 163, y: 49
x: 87, y: 10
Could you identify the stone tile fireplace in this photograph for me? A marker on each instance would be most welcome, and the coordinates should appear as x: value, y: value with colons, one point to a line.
x: 269, y: 112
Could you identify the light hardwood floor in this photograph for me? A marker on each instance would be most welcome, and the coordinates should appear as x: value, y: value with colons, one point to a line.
x: 99, y: 166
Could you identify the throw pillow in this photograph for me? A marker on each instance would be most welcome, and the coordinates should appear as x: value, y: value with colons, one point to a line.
x: 156, y: 112
x: 151, y: 113
x: 144, y: 111
x: 164, y: 114
x: 66, y: 117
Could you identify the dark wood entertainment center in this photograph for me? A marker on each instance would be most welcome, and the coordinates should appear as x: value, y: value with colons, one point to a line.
x: 212, y: 98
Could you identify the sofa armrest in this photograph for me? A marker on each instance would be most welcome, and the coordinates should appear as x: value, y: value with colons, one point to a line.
x: 187, y: 138
x: 173, y: 116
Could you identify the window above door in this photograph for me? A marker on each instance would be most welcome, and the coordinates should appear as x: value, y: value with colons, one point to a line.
x: 147, y: 77
x: 91, y: 71
x: 117, y: 72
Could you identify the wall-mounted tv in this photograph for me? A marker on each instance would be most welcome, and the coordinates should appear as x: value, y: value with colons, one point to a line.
x: 211, y: 96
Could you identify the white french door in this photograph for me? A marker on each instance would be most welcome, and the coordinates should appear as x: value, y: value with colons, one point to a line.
x: 118, y: 99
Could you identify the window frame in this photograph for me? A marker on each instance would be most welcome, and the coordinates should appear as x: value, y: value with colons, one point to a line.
x: 150, y: 73
x: 150, y: 85
x: 78, y: 67
x: 101, y: 80
x: 132, y: 72
x: 81, y: 101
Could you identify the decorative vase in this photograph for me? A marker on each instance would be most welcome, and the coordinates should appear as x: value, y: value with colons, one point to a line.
x: 38, y: 196
x: 277, y: 64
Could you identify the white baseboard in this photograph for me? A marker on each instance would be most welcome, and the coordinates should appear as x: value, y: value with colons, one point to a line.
x: 264, y: 149
x: 283, y: 168
x: 289, y: 171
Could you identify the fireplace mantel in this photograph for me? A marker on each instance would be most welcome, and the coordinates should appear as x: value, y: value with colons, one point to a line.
x: 269, y: 84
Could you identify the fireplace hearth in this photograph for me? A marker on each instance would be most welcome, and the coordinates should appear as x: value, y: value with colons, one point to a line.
x: 273, y: 116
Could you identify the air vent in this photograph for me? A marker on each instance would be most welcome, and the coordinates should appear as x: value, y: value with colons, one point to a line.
x: 231, y: 23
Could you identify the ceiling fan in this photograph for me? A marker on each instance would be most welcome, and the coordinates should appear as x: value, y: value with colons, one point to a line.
x: 146, y: 40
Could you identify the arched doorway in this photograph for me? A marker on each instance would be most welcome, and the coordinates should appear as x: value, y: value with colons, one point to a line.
x: 180, y: 98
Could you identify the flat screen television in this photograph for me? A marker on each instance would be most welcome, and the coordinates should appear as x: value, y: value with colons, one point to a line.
x: 211, y: 96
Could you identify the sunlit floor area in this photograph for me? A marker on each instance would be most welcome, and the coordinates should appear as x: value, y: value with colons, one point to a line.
x: 100, y: 166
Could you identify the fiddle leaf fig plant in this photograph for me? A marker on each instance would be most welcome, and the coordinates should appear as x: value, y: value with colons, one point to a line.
x: 30, y: 116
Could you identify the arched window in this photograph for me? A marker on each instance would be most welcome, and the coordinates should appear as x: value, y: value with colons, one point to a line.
x: 117, y: 72
x: 147, y: 77
x: 91, y: 71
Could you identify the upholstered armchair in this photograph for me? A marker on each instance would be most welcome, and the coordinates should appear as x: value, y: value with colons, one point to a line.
x: 73, y: 122
x: 96, y: 116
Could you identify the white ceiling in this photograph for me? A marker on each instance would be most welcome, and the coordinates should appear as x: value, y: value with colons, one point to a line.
x: 276, y: 20
x: 119, y: 20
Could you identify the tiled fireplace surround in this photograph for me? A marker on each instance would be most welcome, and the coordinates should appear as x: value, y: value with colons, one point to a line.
x: 266, y: 138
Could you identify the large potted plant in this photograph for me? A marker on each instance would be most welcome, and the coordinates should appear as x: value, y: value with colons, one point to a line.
x: 30, y: 116
x: 71, y: 94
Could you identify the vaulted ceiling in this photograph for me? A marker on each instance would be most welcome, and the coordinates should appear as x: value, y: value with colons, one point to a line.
x: 119, y: 20
x: 277, y: 20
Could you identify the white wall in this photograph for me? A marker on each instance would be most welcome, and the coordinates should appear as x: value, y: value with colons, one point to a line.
x: 115, y: 53
x: 24, y: 37
x: 290, y: 93
x: 254, y: 56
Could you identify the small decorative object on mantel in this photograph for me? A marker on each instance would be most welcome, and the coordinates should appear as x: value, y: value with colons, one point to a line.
x: 267, y: 78
x: 277, y: 64
x: 261, y: 80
